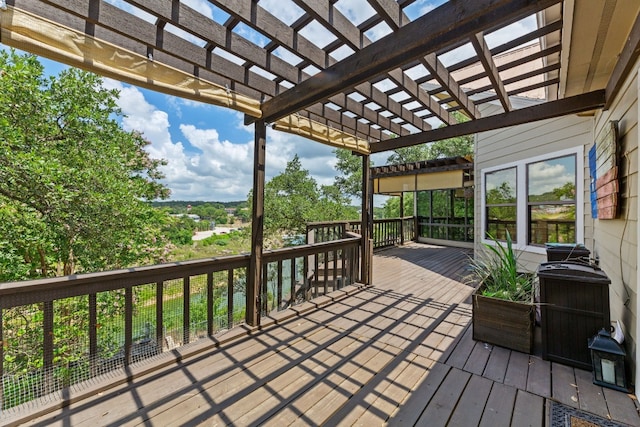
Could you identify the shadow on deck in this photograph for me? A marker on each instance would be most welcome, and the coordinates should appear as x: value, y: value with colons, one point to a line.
x: 399, y: 352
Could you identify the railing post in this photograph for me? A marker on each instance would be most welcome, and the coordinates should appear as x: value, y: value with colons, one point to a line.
x: 93, y: 333
x: 186, y: 302
x: 159, y: 315
x: 128, y: 325
x: 257, y: 225
x: 47, y: 348
x: 402, y: 218
x: 366, y: 220
x: 230, y: 277
x: 210, y: 304
x: 1, y: 359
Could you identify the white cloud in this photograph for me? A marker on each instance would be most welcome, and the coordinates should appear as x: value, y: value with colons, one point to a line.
x: 285, y: 10
x: 205, y: 167
x: 357, y: 11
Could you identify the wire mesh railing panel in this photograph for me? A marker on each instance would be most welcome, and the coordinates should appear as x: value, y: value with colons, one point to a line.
x: 173, y: 313
x: 73, y: 331
x: 23, y: 361
x: 110, y: 328
x: 71, y: 358
x: 197, y: 307
x: 237, y: 301
x: 144, y: 343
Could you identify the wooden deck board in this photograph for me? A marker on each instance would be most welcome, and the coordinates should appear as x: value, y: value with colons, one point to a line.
x: 528, y: 410
x: 398, y: 353
x: 499, y: 408
x: 539, y: 377
x: 412, y: 409
x: 591, y: 397
x: 441, y: 406
x: 469, y: 410
x: 621, y: 408
x: 517, y: 371
x: 496, y: 368
x: 478, y: 358
x: 565, y: 387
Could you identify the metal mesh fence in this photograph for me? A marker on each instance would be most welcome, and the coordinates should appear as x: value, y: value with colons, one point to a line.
x: 87, y: 335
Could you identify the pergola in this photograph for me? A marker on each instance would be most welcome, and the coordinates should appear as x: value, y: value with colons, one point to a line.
x: 353, y: 89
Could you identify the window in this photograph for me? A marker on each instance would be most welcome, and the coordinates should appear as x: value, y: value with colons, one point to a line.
x: 551, y: 200
x: 500, y: 204
x: 538, y: 200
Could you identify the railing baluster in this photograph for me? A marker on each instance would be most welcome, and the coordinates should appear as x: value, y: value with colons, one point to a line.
x: 230, y: 277
x: 209, y: 304
x: 2, y: 405
x: 279, y: 299
x: 292, y: 296
x: 305, y: 277
x: 264, y: 290
x: 316, y: 275
x: 343, y: 266
x: 334, y: 259
x: 93, y: 334
x: 186, y: 302
x: 47, y: 345
x: 326, y: 271
x: 128, y: 324
x: 159, y: 315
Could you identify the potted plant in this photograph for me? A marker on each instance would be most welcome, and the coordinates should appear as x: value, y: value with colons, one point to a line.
x: 503, y: 303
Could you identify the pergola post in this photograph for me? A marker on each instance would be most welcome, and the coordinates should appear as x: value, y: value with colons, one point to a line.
x: 257, y: 225
x: 402, y: 218
x: 366, y: 224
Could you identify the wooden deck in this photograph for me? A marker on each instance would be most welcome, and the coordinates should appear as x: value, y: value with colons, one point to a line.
x: 397, y: 353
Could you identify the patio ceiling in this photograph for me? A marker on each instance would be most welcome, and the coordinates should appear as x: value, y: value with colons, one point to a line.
x: 314, y: 69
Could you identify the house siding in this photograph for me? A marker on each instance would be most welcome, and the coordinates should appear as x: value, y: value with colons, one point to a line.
x: 616, y: 241
x: 612, y: 242
x: 527, y: 141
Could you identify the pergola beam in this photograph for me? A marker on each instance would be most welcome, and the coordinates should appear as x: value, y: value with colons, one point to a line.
x: 439, y: 72
x: 625, y: 63
x: 484, y: 54
x: 453, y: 21
x: 572, y: 105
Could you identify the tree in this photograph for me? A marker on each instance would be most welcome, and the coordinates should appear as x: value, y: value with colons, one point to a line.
x: 451, y: 147
x: 349, y: 182
x: 74, y: 186
x: 293, y: 199
x: 290, y: 199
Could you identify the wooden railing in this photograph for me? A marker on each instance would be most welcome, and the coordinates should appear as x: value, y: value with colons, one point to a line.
x: 386, y: 232
x: 62, y: 331
x: 540, y: 231
x: 444, y: 228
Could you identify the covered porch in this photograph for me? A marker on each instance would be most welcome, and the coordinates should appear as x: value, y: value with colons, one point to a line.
x: 398, y: 352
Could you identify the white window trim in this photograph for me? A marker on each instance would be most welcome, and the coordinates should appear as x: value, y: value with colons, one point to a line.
x: 521, y: 194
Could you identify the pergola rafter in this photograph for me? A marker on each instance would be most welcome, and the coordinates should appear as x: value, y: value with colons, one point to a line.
x: 346, y: 82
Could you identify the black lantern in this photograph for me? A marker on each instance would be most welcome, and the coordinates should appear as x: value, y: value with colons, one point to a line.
x: 607, y: 358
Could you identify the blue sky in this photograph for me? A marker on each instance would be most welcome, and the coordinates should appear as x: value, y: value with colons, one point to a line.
x: 208, y: 148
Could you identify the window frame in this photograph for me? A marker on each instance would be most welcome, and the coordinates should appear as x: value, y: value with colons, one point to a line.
x: 487, y: 206
x: 573, y: 201
x: 522, y: 205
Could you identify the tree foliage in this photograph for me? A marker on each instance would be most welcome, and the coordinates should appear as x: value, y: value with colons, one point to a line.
x: 349, y: 167
x: 451, y: 147
x: 73, y: 183
x: 293, y: 199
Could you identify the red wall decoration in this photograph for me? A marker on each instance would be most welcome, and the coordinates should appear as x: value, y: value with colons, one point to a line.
x: 607, y: 185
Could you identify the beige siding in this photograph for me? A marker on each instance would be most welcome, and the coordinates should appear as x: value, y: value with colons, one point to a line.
x: 616, y: 243
x: 522, y: 142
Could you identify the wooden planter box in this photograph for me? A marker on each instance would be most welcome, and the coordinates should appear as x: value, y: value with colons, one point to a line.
x: 504, y: 323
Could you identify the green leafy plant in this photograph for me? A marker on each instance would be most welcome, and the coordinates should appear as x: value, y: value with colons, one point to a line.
x: 499, y: 273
